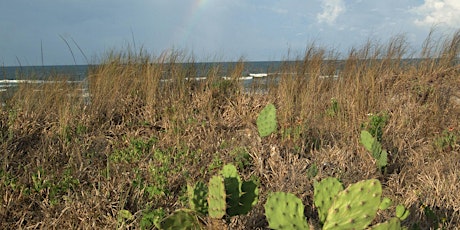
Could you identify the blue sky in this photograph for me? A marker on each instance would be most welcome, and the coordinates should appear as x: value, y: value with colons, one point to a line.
x: 213, y: 30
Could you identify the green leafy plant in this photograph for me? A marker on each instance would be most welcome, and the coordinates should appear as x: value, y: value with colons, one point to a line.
x: 292, y: 133
x: 133, y: 152
x: 8, y: 180
x: 55, y: 187
x: 312, y: 171
x: 352, y: 208
x: 159, y: 169
x: 373, y: 145
x: 333, y: 108
x: 447, y: 141
x: 376, y: 124
x: 242, y: 159
x: 181, y: 219
x: 152, y: 218
x: 124, y: 216
x: 436, y: 221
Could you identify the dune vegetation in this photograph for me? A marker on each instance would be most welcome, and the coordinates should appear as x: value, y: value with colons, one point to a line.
x: 122, y: 157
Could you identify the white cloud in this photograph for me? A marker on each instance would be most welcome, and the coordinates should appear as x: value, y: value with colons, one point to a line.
x: 331, y: 10
x: 438, y: 12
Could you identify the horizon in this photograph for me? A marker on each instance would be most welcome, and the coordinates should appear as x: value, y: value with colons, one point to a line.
x: 72, y: 33
x: 213, y: 62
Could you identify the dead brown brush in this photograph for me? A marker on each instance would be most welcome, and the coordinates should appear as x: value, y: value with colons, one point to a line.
x: 148, y: 128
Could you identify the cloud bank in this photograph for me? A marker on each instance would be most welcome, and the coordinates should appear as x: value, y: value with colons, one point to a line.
x: 438, y: 12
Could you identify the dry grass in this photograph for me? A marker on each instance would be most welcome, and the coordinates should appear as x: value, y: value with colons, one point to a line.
x: 66, y: 163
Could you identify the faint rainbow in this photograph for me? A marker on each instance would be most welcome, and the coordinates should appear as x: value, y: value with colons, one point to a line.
x: 191, y: 19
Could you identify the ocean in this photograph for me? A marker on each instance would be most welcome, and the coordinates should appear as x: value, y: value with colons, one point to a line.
x: 80, y: 72
x: 12, y: 76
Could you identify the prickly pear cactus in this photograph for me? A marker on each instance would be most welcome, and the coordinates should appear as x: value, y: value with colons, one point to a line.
x: 249, y: 197
x: 382, y: 161
x: 367, y: 140
x: 372, y: 145
x: 266, y: 122
x: 241, y: 196
x: 379, y: 154
x: 232, y: 183
x: 216, y: 197
x: 324, y: 194
x: 285, y: 211
x: 401, y: 212
x: 355, y: 207
x: 229, y: 171
x: 393, y: 224
x: 197, y: 197
x: 386, y: 202
x: 181, y: 219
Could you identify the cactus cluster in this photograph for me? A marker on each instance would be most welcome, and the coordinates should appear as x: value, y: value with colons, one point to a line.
x: 266, y: 121
x: 226, y: 194
x: 373, y: 145
x: 240, y: 195
x: 352, y: 208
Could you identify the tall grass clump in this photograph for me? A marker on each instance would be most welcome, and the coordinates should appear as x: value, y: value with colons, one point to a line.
x: 124, y: 154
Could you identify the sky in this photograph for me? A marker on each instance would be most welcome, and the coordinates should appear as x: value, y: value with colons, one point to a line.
x: 83, y: 31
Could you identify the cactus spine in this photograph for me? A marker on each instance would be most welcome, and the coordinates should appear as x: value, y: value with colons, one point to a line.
x: 266, y: 121
x: 285, y: 211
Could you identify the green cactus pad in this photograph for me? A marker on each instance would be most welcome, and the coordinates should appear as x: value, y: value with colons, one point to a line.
x: 229, y: 170
x: 249, y: 197
x: 266, y: 122
x: 393, y: 224
x: 401, y: 212
x: 197, y: 197
x: 232, y: 182
x: 232, y: 189
x: 367, y: 140
x: 285, y: 211
x: 181, y: 219
x: 373, y: 146
x: 216, y: 197
x: 324, y: 193
x: 386, y: 203
x: 376, y: 149
x: 382, y: 161
x: 355, y: 207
